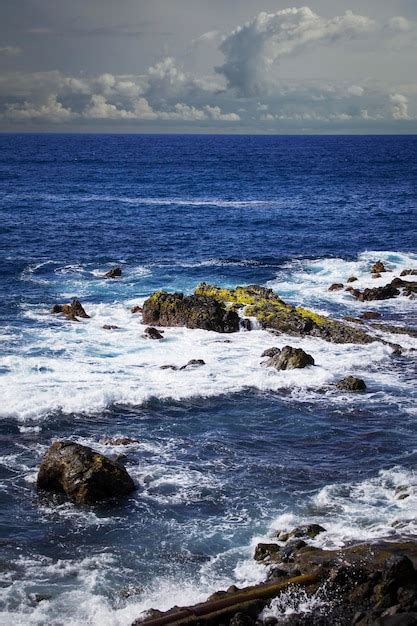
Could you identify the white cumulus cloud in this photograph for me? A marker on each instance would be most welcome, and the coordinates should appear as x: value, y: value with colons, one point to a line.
x: 399, y: 106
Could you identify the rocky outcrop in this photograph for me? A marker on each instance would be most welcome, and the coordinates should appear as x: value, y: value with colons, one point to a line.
x: 192, y: 364
x: 198, y: 311
x: 352, y: 279
x: 273, y: 313
x: 409, y: 273
x: 84, y: 475
x: 115, y: 272
x: 378, y: 268
x: 136, y: 309
x: 336, y: 287
x: 391, y: 290
x: 351, y: 383
x: 365, y: 584
x: 290, y: 358
x: 152, y: 333
x: 71, y: 311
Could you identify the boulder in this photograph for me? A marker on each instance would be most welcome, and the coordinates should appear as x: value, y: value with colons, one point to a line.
x: 352, y: 279
x: 115, y: 272
x: 271, y: 352
x: 266, y: 551
x: 274, y: 314
x: 136, y: 309
x: 152, y: 333
x: 408, y: 287
x: 378, y: 268
x: 351, y: 383
x: 290, y: 358
x: 175, y: 309
x: 246, y: 324
x: 376, y: 293
x: 193, y: 364
x: 84, y: 475
x: 409, y: 273
x: 336, y: 287
x: 71, y: 311
x: 309, y: 530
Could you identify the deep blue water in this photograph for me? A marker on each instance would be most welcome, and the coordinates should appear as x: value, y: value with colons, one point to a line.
x: 225, y: 451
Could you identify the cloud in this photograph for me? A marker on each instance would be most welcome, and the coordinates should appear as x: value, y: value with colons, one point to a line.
x: 52, y: 111
x: 399, y: 24
x: 10, y: 51
x: 250, y: 50
x: 400, y: 107
x: 356, y: 90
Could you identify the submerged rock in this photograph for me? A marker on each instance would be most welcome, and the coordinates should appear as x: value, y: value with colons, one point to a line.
x: 118, y: 441
x: 273, y: 313
x: 115, y: 272
x: 290, y: 358
x: 370, y: 315
x: 198, y: 311
x: 71, y: 311
x: 352, y: 279
x: 153, y: 333
x: 193, y: 364
x: 84, y: 475
x: 351, y: 383
x: 336, y: 287
x: 409, y: 272
x: 169, y: 367
x: 110, y: 327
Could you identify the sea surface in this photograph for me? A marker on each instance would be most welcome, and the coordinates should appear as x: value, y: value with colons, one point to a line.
x: 226, y: 453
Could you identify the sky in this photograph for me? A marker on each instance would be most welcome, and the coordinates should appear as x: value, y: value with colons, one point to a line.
x: 208, y: 66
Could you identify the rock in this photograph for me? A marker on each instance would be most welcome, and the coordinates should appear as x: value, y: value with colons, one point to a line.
x: 71, y: 311
x: 266, y: 551
x: 376, y: 293
x: 352, y: 279
x: 377, y: 275
x: 246, y: 324
x: 84, y: 475
x: 409, y: 287
x: 110, y: 327
x: 351, y: 383
x: 193, y: 364
x: 175, y: 309
x: 353, y: 320
x: 336, y: 287
x: 169, y: 367
x: 115, y: 272
x: 136, y: 309
x: 310, y: 530
x: 409, y: 273
x: 271, y: 352
x: 152, y: 333
x: 275, y: 315
x: 118, y: 441
x: 290, y: 358
x: 370, y: 315
x: 378, y: 268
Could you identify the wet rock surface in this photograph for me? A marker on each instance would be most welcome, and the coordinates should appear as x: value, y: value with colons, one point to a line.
x: 153, y: 333
x: 290, y: 358
x: 84, y: 475
x: 70, y: 311
x: 351, y: 383
x: 115, y: 272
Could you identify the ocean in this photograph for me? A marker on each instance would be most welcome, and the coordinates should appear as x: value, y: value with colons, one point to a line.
x: 226, y: 453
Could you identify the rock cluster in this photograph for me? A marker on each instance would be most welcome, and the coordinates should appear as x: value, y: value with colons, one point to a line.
x: 71, y: 311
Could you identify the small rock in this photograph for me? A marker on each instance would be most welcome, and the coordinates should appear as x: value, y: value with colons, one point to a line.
x: 169, y: 367
x: 271, y: 352
x: 336, y: 287
x: 115, y: 272
x: 136, y: 309
x: 84, y: 475
x: 378, y: 268
x: 110, y: 327
x: 310, y: 530
x: 352, y: 279
x: 350, y: 318
x: 290, y: 358
x: 370, y: 315
x: 193, y: 363
x: 376, y: 275
x: 246, y: 324
x: 266, y: 551
x: 409, y: 273
x: 351, y: 383
x: 152, y: 333
x: 71, y: 311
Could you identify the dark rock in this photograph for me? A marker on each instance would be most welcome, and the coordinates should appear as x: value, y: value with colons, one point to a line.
x: 351, y: 383
x: 169, y: 367
x: 352, y: 279
x: 376, y: 275
x: 271, y: 352
x: 353, y: 320
x: 310, y: 530
x: 110, y: 327
x: 136, y: 309
x: 266, y: 551
x: 409, y: 287
x: 175, y: 309
x: 370, y: 315
x: 115, y: 272
x: 118, y: 441
x: 290, y: 358
x: 241, y: 619
x: 193, y: 364
x: 71, y: 311
x: 246, y: 324
x: 378, y: 268
x: 336, y: 287
x: 82, y: 474
x: 409, y: 273
x: 152, y: 333
x: 376, y: 293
